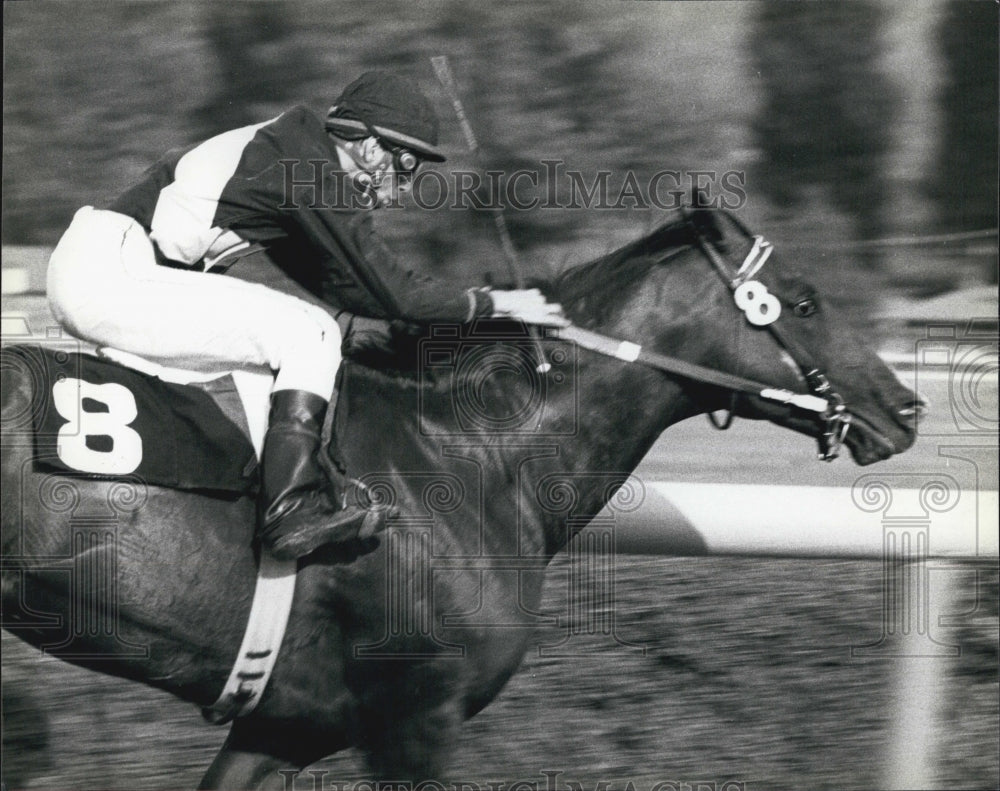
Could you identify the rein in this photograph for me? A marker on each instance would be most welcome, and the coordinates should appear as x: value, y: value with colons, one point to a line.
x: 632, y: 353
x: 762, y: 309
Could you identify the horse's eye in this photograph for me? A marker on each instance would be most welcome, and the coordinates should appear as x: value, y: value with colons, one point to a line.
x: 805, y: 307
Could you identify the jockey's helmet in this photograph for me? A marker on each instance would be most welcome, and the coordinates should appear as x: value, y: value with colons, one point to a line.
x: 390, y: 107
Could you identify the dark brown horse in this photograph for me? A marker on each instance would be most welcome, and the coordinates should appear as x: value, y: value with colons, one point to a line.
x: 493, y: 464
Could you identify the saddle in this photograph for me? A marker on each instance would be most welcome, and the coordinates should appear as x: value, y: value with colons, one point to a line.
x: 115, y: 415
x: 97, y: 417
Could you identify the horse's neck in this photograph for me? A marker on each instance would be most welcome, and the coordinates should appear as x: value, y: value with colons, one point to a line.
x: 623, y: 408
x: 538, y: 484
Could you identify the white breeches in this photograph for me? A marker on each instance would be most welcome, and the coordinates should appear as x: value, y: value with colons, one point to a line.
x: 105, y: 286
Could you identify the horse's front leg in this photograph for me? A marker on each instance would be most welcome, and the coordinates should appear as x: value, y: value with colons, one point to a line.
x: 241, y: 766
x: 235, y: 769
x: 414, y: 746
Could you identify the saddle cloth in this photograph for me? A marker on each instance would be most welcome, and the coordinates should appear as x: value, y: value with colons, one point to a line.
x: 176, y: 428
x: 99, y: 419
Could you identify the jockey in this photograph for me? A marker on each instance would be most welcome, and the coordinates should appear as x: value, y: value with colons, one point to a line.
x: 143, y: 276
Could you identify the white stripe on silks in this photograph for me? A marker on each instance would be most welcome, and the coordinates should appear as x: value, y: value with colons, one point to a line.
x: 689, y: 519
x: 182, y: 224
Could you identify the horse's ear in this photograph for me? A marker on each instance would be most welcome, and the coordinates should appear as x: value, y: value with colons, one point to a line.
x: 705, y: 217
x: 700, y: 199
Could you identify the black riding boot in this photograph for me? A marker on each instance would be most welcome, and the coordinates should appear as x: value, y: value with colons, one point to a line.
x: 296, y: 512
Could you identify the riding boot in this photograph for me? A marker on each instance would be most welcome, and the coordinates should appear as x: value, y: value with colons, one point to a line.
x: 297, y: 512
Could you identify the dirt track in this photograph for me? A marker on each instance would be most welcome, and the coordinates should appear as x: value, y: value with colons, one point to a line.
x: 747, y: 676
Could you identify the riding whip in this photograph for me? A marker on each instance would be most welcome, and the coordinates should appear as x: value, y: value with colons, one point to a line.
x: 443, y: 72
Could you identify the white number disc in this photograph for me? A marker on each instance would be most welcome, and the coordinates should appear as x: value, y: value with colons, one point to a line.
x: 760, y: 305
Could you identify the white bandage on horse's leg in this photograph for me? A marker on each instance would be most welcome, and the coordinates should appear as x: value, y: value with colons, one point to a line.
x: 310, y: 352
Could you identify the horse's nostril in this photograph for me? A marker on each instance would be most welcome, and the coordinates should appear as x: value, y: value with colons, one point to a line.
x: 917, y: 408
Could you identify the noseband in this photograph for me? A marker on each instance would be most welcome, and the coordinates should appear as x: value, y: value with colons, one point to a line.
x: 763, y: 309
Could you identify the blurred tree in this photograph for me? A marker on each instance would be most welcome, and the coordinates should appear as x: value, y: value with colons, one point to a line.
x: 573, y: 48
x: 93, y: 92
x: 536, y: 81
x: 257, y: 64
x: 964, y: 182
x: 826, y: 106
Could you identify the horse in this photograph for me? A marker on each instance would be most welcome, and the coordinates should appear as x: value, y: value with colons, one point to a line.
x: 496, y: 445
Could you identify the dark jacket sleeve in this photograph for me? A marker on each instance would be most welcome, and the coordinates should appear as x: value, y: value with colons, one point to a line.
x: 415, y: 295
x: 372, y: 280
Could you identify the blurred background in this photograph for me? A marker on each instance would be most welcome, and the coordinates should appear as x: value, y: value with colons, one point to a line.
x: 868, y: 135
x: 867, y: 130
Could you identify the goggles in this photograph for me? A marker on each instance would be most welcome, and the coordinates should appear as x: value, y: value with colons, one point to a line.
x: 403, y: 159
x: 369, y: 179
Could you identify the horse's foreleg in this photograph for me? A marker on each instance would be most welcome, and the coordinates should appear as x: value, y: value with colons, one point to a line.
x: 412, y: 747
x: 263, y: 756
x: 243, y: 770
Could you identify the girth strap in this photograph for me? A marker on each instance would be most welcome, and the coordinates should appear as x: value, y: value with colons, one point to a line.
x: 272, y: 603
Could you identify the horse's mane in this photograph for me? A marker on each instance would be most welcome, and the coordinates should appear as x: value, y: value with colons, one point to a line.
x: 611, y: 273
x: 614, y: 272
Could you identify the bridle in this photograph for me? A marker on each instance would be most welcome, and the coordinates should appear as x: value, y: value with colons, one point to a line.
x: 763, y: 310
x: 835, y: 420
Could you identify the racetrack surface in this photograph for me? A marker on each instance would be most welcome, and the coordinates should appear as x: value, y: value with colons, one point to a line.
x: 748, y: 676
